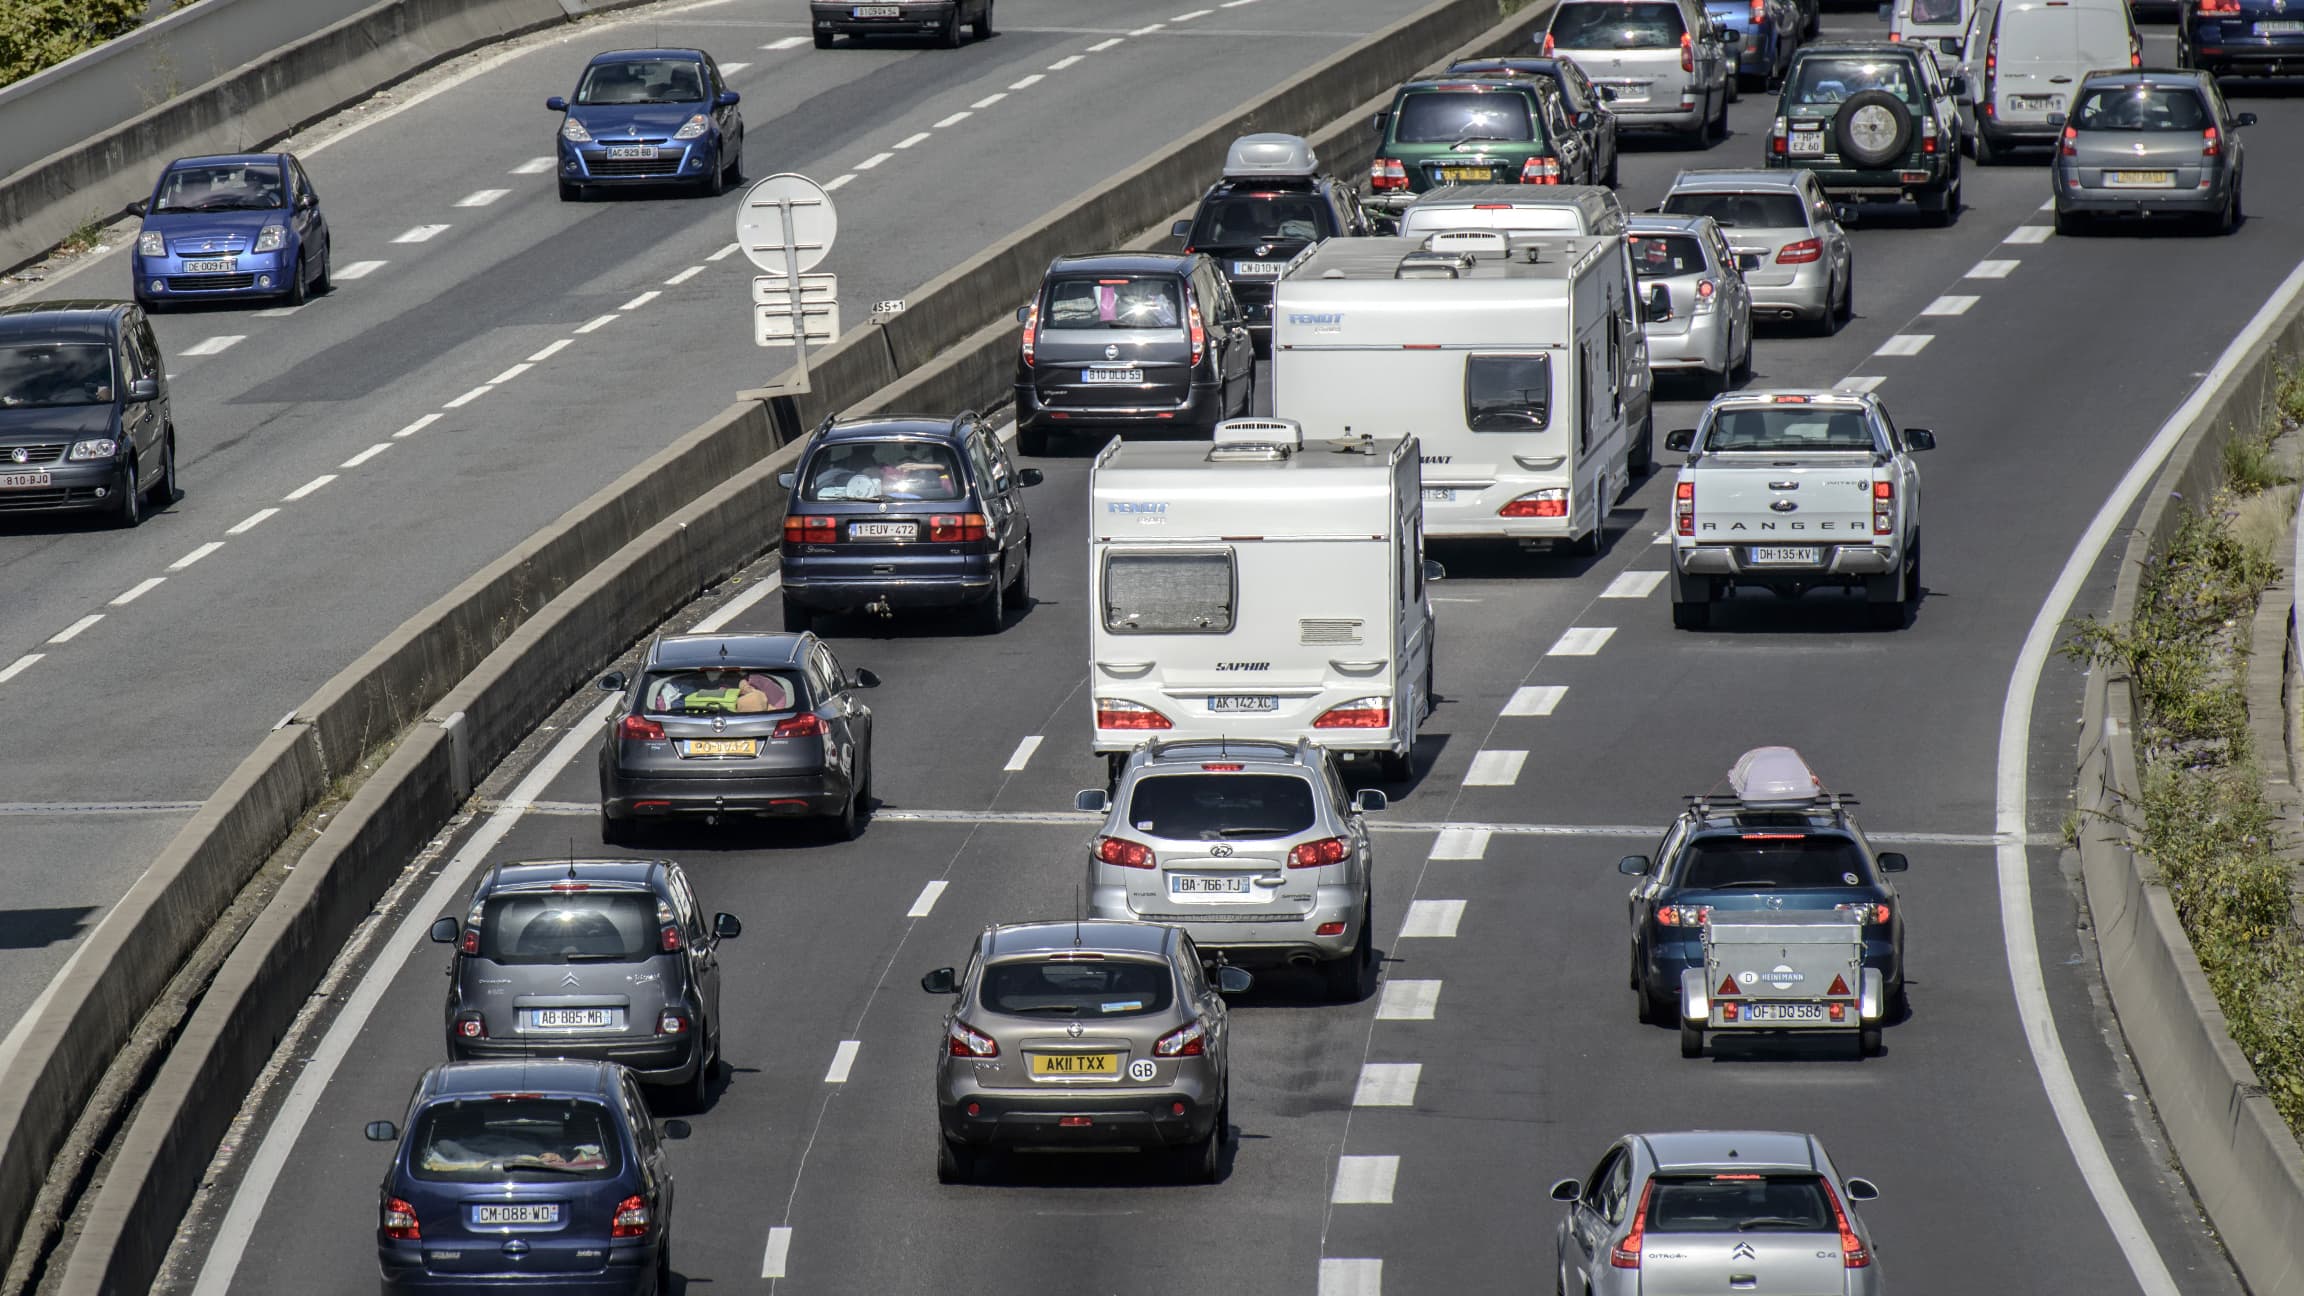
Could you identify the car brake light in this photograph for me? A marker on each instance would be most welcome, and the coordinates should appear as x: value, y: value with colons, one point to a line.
x: 811, y: 530
x: 1707, y: 296
x: 1626, y: 1254
x: 399, y: 1221
x: 956, y: 527
x: 1759, y: 11
x: 1870, y: 913
x: 2071, y: 135
x: 672, y: 1021
x: 967, y: 1041
x: 470, y: 1025
x: 1032, y: 331
x: 2219, y: 6
x: 810, y: 725
x: 1540, y: 171
x: 1387, y: 173
x: 1187, y: 1040
x: 631, y: 1219
x: 668, y: 940
x: 1112, y: 713
x: 1801, y: 252
x: 1684, y: 508
x: 1318, y: 854
x: 1683, y: 915
x: 1928, y: 135
x: 1687, y: 54
x: 1551, y: 503
x: 1199, y: 331
x: 1549, y: 47
x: 1852, y: 1252
x: 2208, y: 142
x: 471, y: 942
x: 1897, y: 37
x: 1359, y: 713
x: 640, y: 729
x: 1124, y: 853
x: 1776, y: 137
x: 1226, y: 767
x: 1992, y: 53
x: 1883, y: 507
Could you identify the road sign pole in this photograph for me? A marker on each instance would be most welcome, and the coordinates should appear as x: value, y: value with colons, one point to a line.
x: 792, y: 285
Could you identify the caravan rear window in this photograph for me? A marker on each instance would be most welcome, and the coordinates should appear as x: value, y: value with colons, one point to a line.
x: 1508, y: 393
x: 1168, y: 593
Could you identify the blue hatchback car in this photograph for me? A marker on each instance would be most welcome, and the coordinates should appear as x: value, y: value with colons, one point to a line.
x: 544, y: 1176
x: 231, y: 226
x: 650, y: 117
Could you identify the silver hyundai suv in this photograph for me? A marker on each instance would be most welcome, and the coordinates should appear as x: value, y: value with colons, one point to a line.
x: 1252, y: 847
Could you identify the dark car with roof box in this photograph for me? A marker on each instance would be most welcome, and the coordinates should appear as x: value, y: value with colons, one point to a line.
x: 85, y: 420
x: 1273, y: 202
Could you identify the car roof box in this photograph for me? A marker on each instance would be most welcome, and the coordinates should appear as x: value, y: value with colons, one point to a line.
x: 1271, y: 154
x: 1767, y: 775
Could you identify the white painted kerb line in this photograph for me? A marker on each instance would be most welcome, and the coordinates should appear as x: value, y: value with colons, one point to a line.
x: 926, y: 904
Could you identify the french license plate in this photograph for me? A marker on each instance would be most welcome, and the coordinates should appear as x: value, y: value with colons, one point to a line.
x: 632, y: 153
x: 1240, y: 702
x: 2032, y: 103
x: 1111, y: 375
x: 884, y: 531
x: 2142, y: 179
x: 1783, y: 1012
x: 721, y: 747
x: 1258, y: 267
x: 1076, y: 1064
x: 1184, y: 884
x: 20, y: 480
x: 571, y: 1018
x: 217, y: 265
x: 2279, y: 28
x: 540, y: 1214
x: 1460, y: 174
x: 1629, y: 91
x: 1439, y: 494
x: 1808, y: 143
x: 875, y: 11
x: 1790, y: 555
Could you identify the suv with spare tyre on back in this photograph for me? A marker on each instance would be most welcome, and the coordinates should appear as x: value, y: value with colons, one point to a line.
x: 1875, y: 121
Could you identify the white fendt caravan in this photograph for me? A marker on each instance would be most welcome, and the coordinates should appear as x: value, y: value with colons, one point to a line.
x: 1509, y: 358
x: 1268, y: 585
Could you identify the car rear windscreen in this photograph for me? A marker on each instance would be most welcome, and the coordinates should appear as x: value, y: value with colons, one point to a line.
x: 1616, y: 26
x: 1114, y: 302
x: 1767, y: 861
x: 1789, y: 430
x: 1666, y: 256
x: 36, y: 374
x: 1834, y: 80
x: 1221, y: 806
x: 1260, y: 218
x: 1777, y: 210
x: 883, y: 470
x: 526, y: 1140
x: 1936, y: 11
x: 1087, y: 989
x: 1740, y: 1203
x: 570, y: 927
x: 1446, y: 116
x: 2140, y: 108
x: 1168, y: 593
x: 734, y: 690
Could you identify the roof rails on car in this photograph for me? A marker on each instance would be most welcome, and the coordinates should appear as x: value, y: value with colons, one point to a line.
x: 1770, y: 778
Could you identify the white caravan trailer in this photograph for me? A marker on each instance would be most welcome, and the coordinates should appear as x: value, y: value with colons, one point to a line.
x: 1268, y: 585
x: 1510, y: 359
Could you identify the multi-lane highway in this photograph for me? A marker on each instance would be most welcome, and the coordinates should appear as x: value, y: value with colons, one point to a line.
x: 1403, y: 1144
x: 491, y: 356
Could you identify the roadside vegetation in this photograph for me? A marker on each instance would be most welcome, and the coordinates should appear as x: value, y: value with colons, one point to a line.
x: 37, y: 34
x: 2203, y: 818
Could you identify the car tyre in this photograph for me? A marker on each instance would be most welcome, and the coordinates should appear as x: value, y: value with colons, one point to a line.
x: 1691, y: 1040
x: 955, y: 1164
x: 1691, y: 616
x: 325, y: 281
x: 163, y: 492
x: 983, y: 28
x: 695, y: 1093
x: 1741, y: 372
x: 1614, y: 159
x: 2229, y: 219
x: 1653, y: 1011
x: 664, y: 1267
x: 293, y: 295
x: 949, y: 38
x: 128, y: 514
x: 1352, y: 978
x: 1642, y: 457
x: 618, y: 832
x: 1020, y: 589
x: 1202, y: 1160
x: 570, y: 191
x: 1889, y: 603
x: 715, y: 182
x: 1032, y: 441
x: 1843, y: 128
x: 735, y: 159
x: 799, y: 618
x: 847, y: 825
x: 1982, y: 149
x: 1868, y: 1042
x: 990, y: 613
x: 824, y: 39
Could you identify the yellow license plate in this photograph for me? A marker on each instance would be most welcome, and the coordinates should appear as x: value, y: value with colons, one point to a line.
x: 1466, y: 173
x: 1076, y: 1064
x: 2143, y: 177
x: 723, y: 747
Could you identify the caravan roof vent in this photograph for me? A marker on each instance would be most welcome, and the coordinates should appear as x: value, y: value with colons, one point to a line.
x: 1271, y: 155
x: 1256, y: 439
x: 1469, y: 242
x: 1774, y: 774
x: 1433, y: 265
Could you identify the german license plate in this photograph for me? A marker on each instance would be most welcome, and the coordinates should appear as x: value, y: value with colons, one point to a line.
x: 1789, y: 555
x: 1235, y: 703
x: 20, y: 480
x: 721, y: 747
x: 632, y: 153
x: 1783, y: 1012
x: 1260, y: 268
x: 2279, y: 28
x: 1194, y: 884
x: 2032, y: 103
x: 884, y: 531
x: 1076, y: 1064
x: 544, y: 1213
x: 1111, y: 375
x: 1464, y: 173
x: 217, y: 265
x: 1806, y: 143
x: 875, y: 11
x: 571, y: 1018
x: 1439, y: 494
x: 2142, y: 179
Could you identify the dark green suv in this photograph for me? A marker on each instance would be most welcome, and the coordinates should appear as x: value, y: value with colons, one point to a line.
x: 1459, y: 131
x: 1875, y: 121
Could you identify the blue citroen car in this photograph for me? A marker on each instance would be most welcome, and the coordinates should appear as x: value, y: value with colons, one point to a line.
x: 235, y: 225
x: 544, y: 1176
x: 650, y: 117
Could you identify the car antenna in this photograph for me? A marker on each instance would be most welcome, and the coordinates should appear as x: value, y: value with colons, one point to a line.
x: 571, y: 859
x: 1075, y: 915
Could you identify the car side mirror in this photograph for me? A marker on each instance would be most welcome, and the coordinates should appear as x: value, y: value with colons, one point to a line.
x: 675, y: 1129
x: 1747, y: 261
x: 1030, y: 476
x: 1659, y: 302
x: 382, y: 1131
x: 1918, y: 439
x: 446, y: 930
x: 2243, y: 119
x: 941, y: 981
x: 1380, y: 121
x: 788, y: 480
x: 1024, y: 312
x: 140, y: 207
x: 728, y: 99
x: 1369, y: 800
x: 1232, y: 980
x: 1680, y: 439
x: 1092, y: 800
x: 1181, y: 229
x: 726, y: 926
x: 613, y: 682
x: 141, y: 390
x: 1434, y: 571
x: 1862, y: 1190
x: 1957, y: 87
x: 1567, y: 1190
x: 1633, y: 866
x: 1731, y: 39
x: 556, y: 104
x: 1845, y: 213
x: 1893, y: 862
x: 863, y: 679
x: 2055, y: 119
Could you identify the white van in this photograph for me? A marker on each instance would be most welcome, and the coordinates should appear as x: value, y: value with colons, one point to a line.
x: 1269, y: 585
x: 2025, y: 58
x: 1934, y: 25
x: 1509, y: 359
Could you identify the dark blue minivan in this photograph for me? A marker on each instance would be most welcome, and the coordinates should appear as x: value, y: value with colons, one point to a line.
x: 543, y: 1176
x: 903, y: 513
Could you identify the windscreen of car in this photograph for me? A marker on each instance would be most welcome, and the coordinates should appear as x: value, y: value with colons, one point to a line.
x: 1833, y: 80
x: 884, y: 470
x: 719, y: 690
x: 1771, y: 861
x: 1508, y: 393
x: 1666, y: 256
x: 1775, y: 210
x: 1114, y: 302
x: 1168, y: 593
x: 36, y: 374
x: 1616, y: 26
x: 222, y: 186
x: 2140, y: 108
x: 1936, y: 11
x: 1739, y: 1203
x: 1446, y: 116
x: 526, y: 1140
x: 1261, y: 218
x: 1084, y: 989
x: 642, y: 81
x: 1219, y: 807
x: 1790, y: 429
x: 570, y: 927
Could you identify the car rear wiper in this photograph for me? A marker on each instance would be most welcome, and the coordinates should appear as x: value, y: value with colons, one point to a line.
x: 1748, y: 882
x: 1778, y: 1221
x: 1068, y: 1010
x: 1245, y: 832
x: 549, y: 1167
x: 1468, y: 139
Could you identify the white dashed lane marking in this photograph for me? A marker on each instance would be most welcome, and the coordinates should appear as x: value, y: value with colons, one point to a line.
x: 926, y: 904
x: 1460, y: 844
x: 1365, y: 1180
x: 1023, y: 754
x: 533, y: 166
x: 214, y: 345
x: 1146, y: 31
x: 511, y: 373
x: 1029, y: 82
x: 1187, y: 17
x: 779, y: 1252
x: 1408, y: 1001
x: 789, y: 42
x: 953, y: 120
x: 1345, y: 1277
x: 139, y: 590
x: 641, y: 300
x: 1387, y: 1084
x: 251, y: 522
x: 990, y: 99
x: 726, y: 250
x: 72, y: 631
x: 1581, y: 641
x: 873, y: 161
x: 551, y: 349
x: 279, y: 312
x: 196, y: 555
x: 310, y: 486
x: 421, y: 234
x: 843, y: 1060
x: 1905, y: 344
x: 1950, y: 305
x: 684, y: 276
x: 366, y: 455
x: 1860, y: 383
x: 357, y: 270
x: 1991, y: 269
x: 1070, y: 59
x: 1495, y: 768
x: 731, y: 69
x: 1634, y: 584
x: 1103, y: 45
x: 19, y: 666
x: 837, y: 181
x: 1535, y: 700
x: 467, y: 398
x: 421, y: 424
x: 2029, y: 234
x: 481, y: 197
x: 1432, y: 919
x: 595, y: 324
x: 916, y: 137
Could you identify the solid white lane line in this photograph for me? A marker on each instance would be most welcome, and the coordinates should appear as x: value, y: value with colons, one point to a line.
x: 1070, y: 59
x: 2029, y: 234
x: 916, y: 137
x: 422, y: 423
x: 1460, y: 844
x: 779, y: 1251
x: 1581, y: 641
x: 839, y: 180
x: 1495, y: 768
x: 725, y: 615
x: 843, y: 1058
x: 279, y: 312
x: 1991, y: 269
x: 481, y: 197
x: 139, y: 590
x: 953, y: 120
x: 213, y: 345
x: 421, y: 234
x: 926, y: 904
x: 1665, y: 537
x: 533, y: 166
x: 990, y: 99
x: 1634, y: 584
x: 551, y: 349
x: 1432, y: 919
x: 641, y: 300
x: 1023, y: 754
x: 1905, y: 344
x: 684, y: 276
x: 196, y: 555
x: 357, y: 270
x: 1387, y: 1084
x: 72, y: 631
x: 511, y: 373
x: 250, y: 522
x: 731, y: 69
x: 1408, y: 1001
x: 19, y: 666
x: 873, y: 161
x: 467, y: 398
x: 1345, y: 1277
x: 789, y: 42
x: 366, y: 455
x: 1029, y: 82
x: 726, y: 251
x: 310, y: 486
x: 595, y: 324
x: 1859, y: 383
x: 1535, y: 700
x: 1950, y: 305
x: 1365, y: 1180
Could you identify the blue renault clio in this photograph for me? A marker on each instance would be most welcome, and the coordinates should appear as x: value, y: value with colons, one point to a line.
x: 650, y: 117
x: 231, y: 226
x: 543, y: 1176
